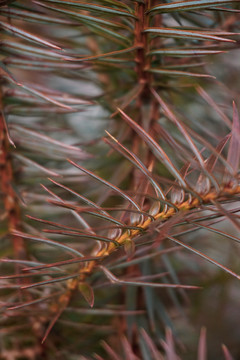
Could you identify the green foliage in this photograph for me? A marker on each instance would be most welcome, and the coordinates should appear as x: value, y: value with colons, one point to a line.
x: 119, y: 179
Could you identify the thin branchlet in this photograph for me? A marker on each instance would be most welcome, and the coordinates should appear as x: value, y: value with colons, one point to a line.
x: 131, y: 235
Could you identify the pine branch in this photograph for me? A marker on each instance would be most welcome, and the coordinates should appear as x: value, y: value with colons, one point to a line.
x: 130, y: 218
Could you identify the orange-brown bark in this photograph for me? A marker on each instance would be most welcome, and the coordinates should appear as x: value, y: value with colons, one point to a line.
x: 11, y: 211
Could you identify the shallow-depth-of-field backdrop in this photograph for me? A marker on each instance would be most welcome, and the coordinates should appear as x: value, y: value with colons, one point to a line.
x: 119, y: 179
